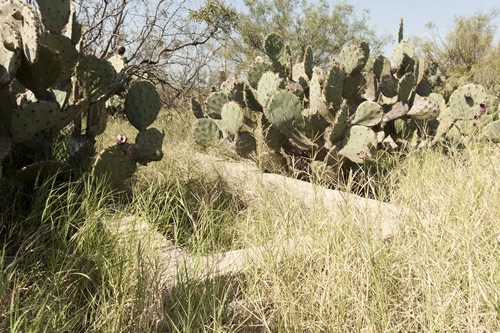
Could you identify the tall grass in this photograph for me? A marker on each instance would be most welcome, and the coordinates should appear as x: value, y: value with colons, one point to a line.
x: 443, y: 277
x: 62, y: 269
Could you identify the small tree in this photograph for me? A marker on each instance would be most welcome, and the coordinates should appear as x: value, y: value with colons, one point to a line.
x: 468, y: 52
x: 301, y: 23
x: 164, y: 39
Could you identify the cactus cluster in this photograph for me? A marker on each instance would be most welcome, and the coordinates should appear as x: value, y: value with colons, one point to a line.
x: 341, y: 115
x: 48, y: 84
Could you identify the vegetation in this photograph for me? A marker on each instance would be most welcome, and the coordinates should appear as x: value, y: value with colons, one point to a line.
x: 468, y: 53
x: 135, y: 248
x: 62, y: 269
x: 328, y: 29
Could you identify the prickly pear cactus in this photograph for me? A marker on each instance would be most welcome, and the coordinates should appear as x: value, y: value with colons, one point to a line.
x: 35, y: 120
x: 492, y: 131
x: 114, y: 165
x: 206, y: 132
x: 360, y: 144
x: 354, y: 57
x: 142, y: 104
x: 46, y: 84
x: 368, y: 114
x: 468, y: 102
x: 150, y: 143
x: 10, y: 53
x: 232, y: 117
x: 5, y: 142
x: 97, y: 77
x: 336, y: 118
x: 425, y: 108
x: 284, y: 111
x: 214, y: 104
x: 55, y: 14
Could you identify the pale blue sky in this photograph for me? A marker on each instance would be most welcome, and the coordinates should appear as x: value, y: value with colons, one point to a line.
x: 385, y: 14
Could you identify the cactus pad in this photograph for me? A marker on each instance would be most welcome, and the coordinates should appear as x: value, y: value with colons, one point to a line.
x: 97, y: 77
x: 232, y: 117
x: 317, y: 103
x: 10, y: 53
x: 388, y: 85
x: 236, y: 92
x: 7, y: 103
x: 360, y: 144
x: 466, y: 102
x: 354, y: 57
x: 273, y: 138
x: 39, y: 171
x: 334, y: 83
x: 142, y: 104
x: 251, y: 99
x: 97, y: 118
x: 67, y: 53
x: 380, y: 66
x: 150, y: 142
x: 255, y: 72
x: 368, y: 114
x: 245, y: 144
x: 11, y: 13
x: 354, y: 84
x: 206, y: 132
x: 5, y: 142
x: 214, y: 104
x: 405, y: 87
x: 299, y: 74
x: 55, y: 14
x: 30, y: 33
x: 403, y: 58
x: 275, y: 48
x: 300, y: 141
x: 42, y: 74
x: 308, y: 61
x: 336, y: 132
x: 35, y: 118
x: 114, y: 165
x: 370, y: 91
x: 196, y: 108
x: 424, y: 108
x: 269, y: 84
x: 284, y: 111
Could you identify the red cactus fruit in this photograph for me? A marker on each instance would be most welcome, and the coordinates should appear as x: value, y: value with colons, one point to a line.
x: 134, y: 150
x: 483, y: 107
x: 120, y: 49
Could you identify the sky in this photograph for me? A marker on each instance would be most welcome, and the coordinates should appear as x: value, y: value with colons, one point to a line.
x: 385, y: 14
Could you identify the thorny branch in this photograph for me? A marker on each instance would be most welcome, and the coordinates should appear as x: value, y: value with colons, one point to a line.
x: 156, y: 36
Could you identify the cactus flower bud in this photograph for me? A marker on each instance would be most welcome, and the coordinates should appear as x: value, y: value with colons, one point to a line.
x: 120, y: 139
x: 362, y: 154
